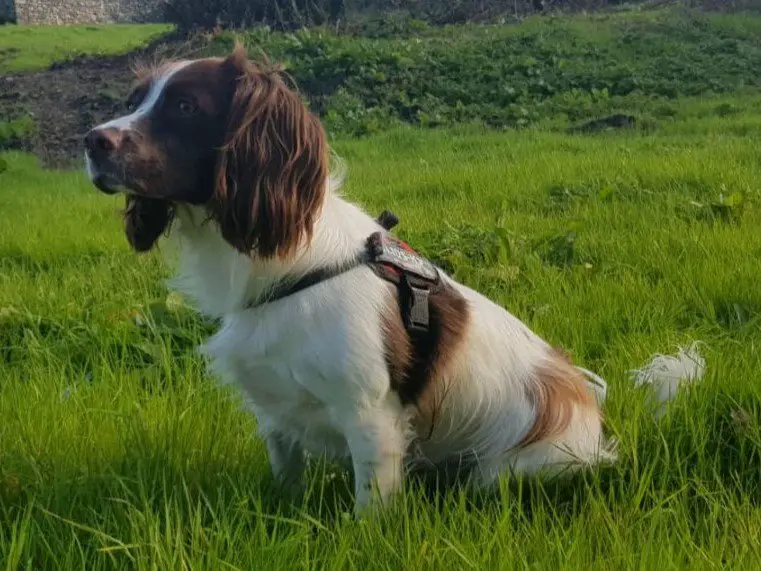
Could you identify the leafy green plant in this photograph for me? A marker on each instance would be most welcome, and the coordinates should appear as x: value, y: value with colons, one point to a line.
x: 15, y: 131
x: 574, y: 69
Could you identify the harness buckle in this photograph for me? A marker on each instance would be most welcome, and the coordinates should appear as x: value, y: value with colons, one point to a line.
x: 417, y: 314
x: 414, y: 276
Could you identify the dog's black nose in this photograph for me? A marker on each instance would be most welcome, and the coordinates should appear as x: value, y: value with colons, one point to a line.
x: 102, y: 141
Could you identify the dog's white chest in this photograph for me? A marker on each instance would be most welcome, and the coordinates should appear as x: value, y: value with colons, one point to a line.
x: 305, y: 363
x: 288, y: 379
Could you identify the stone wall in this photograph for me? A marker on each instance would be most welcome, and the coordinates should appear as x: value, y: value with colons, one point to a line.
x: 83, y: 11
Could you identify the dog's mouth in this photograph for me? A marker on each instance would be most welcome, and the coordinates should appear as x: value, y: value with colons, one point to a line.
x: 107, y: 184
x: 103, y: 179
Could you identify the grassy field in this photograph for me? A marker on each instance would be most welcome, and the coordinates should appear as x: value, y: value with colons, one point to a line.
x: 30, y: 48
x: 117, y: 450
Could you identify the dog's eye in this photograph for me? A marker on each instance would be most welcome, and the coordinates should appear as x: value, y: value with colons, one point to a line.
x: 130, y: 105
x: 186, y: 107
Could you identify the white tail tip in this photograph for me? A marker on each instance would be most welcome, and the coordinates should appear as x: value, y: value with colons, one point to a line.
x: 666, y: 374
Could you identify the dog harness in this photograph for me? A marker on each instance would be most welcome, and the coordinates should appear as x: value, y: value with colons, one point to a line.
x: 393, y: 261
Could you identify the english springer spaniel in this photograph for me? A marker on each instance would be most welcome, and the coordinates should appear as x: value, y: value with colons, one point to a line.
x: 343, y: 341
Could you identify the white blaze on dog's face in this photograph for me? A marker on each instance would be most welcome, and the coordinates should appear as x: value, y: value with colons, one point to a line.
x: 219, y: 132
x: 165, y: 147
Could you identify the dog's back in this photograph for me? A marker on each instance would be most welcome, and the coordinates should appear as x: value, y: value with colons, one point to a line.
x: 510, y: 400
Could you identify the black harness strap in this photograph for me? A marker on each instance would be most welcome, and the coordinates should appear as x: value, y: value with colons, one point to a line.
x: 308, y: 280
x: 392, y: 260
x: 387, y: 220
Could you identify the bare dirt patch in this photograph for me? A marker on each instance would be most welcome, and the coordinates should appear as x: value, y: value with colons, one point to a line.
x: 67, y: 99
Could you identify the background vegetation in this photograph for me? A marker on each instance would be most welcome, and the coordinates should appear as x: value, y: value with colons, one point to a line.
x: 554, y: 72
x: 560, y: 70
x: 342, y: 14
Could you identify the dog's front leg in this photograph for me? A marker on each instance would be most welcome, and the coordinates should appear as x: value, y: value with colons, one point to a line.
x: 286, y: 458
x: 376, y: 436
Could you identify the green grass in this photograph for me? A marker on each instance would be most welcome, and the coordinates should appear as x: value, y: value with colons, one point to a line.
x: 118, y: 451
x: 30, y: 48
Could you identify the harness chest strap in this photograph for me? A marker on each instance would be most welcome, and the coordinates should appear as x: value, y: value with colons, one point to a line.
x: 392, y: 260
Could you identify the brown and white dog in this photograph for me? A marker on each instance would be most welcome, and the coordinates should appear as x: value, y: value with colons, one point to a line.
x: 224, y: 154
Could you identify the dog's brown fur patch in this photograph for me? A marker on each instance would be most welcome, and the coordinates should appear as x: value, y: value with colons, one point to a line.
x: 419, y: 363
x: 558, y: 389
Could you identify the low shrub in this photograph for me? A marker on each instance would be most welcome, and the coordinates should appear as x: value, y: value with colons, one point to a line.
x: 504, y: 76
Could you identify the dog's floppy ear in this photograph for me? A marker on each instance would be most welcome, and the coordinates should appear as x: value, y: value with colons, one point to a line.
x: 145, y: 219
x: 273, y: 168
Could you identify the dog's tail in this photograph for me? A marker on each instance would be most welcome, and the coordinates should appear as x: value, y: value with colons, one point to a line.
x: 664, y: 375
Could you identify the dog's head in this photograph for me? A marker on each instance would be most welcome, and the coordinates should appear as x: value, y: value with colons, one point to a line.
x: 224, y: 133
